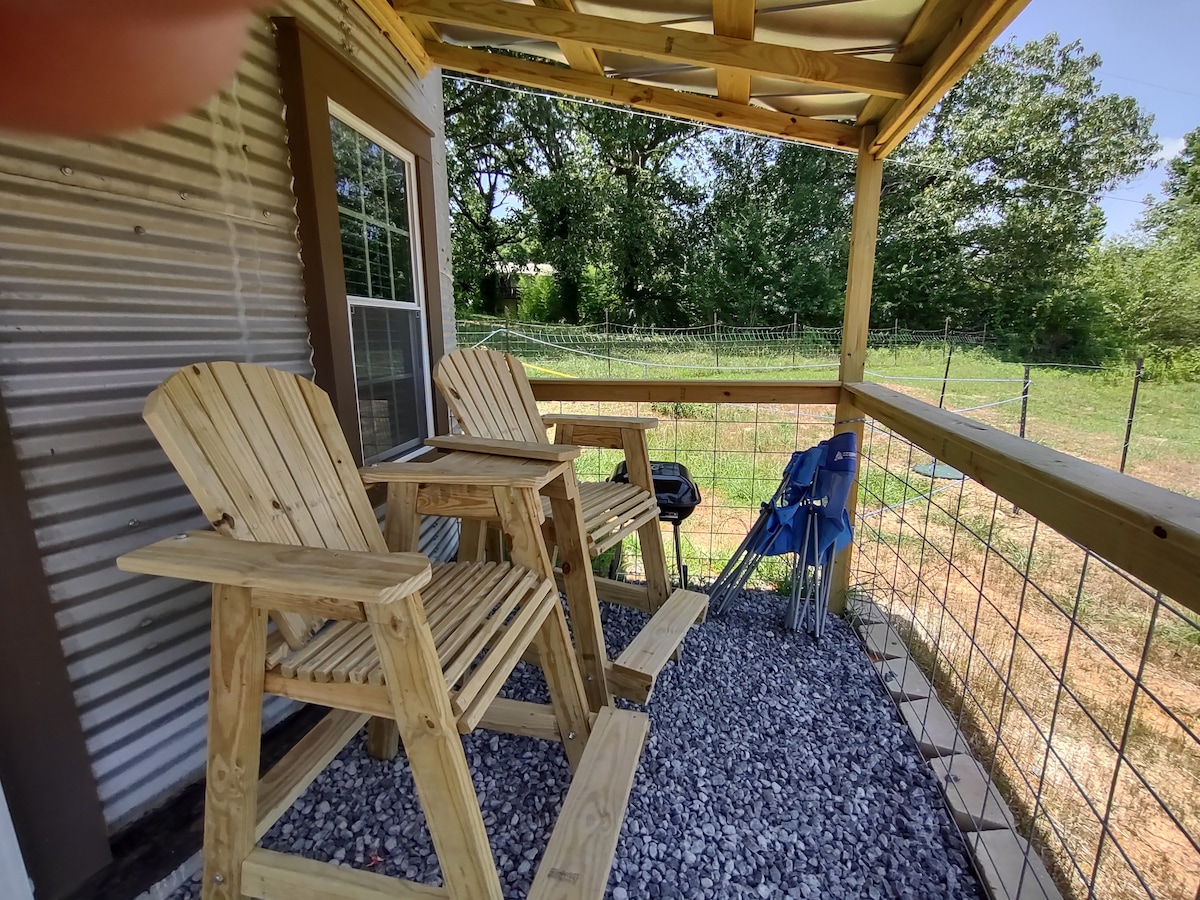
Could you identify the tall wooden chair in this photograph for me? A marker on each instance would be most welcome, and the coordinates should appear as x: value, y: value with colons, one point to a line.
x: 493, y: 402
x: 369, y: 633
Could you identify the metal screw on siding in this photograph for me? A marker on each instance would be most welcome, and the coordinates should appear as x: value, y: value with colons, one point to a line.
x: 134, y: 523
x: 266, y: 214
x: 181, y: 536
x: 67, y: 170
x: 183, y: 195
x: 138, y: 229
x: 570, y: 735
x: 218, y: 878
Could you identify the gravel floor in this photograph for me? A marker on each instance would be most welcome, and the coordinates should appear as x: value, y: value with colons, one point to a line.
x: 776, y: 767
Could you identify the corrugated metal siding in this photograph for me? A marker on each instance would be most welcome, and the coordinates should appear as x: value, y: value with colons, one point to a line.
x: 121, y: 260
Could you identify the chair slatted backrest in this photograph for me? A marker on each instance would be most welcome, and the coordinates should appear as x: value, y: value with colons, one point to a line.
x: 490, y: 395
x: 263, y: 454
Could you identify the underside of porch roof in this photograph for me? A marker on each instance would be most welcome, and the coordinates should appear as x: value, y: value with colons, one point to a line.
x: 815, y: 71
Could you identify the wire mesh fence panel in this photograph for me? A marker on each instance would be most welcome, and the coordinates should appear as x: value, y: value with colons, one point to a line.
x: 735, y: 452
x: 625, y: 351
x: 1074, y: 684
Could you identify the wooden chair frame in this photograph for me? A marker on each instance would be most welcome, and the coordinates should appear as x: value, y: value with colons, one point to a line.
x: 493, y: 401
x: 423, y: 686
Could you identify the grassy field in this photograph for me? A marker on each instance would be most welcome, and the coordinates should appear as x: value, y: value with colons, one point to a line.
x: 1000, y: 610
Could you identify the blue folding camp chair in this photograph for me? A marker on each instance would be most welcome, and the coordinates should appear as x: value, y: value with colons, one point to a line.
x: 807, y: 517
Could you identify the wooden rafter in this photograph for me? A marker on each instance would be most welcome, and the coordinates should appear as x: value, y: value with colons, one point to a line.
x: 966, y: 41
x: 933, y: 21
x: 685, y: 105
x: 579, y: 56
x: 734, y: 18
x: 411, y: 47
x: 823, y: 68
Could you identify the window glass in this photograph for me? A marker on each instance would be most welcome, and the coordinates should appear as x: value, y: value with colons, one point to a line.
x: 386, y: 311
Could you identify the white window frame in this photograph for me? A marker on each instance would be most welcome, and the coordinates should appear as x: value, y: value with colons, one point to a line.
x: 415, y: 245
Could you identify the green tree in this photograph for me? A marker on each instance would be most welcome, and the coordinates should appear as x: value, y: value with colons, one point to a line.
x: 1002, y: 206
x: 774, y: 233
x: 483, y: 142
x: 1149, y: 287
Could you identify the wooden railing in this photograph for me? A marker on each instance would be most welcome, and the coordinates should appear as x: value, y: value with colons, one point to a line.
x: 1152, y: 533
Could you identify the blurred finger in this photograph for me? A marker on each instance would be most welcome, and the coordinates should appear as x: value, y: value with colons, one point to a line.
x: 67, y: 70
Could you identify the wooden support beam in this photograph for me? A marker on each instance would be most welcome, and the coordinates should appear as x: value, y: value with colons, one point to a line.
x: 821, y: 67
x: 399, y: 34
x: 966, y: 41
x: 1150, y: 532
x: 579, y: 56
x: 864, y: 231
x: 651, y: 390
x: 682, y: 104
x: 933, y: 21
x: 274, y: 876
x: 734, y: 18
x: 292, y: 775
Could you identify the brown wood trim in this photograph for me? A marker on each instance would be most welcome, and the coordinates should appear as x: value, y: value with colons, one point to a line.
x: 44, y: 762
x: 312, y: 73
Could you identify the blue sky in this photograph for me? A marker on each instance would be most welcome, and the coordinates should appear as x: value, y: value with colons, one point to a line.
x: 1148, y: 48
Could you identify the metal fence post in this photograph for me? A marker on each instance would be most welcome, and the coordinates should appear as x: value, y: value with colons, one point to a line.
x: 507, y: 333
x: 608, y: 341
x: 946, y: 375
x: 1024, y: 412
x: 1137, y: 380
x: 717, y: 339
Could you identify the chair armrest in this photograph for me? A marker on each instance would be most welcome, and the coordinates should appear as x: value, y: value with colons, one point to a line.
x: 350, y: 575
x: 641, y: 423
x: 494, y: 447
x: 471, y: 470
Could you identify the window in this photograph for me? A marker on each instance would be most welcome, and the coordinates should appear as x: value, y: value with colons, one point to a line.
x: 370, y: 228
x: 379, y: 231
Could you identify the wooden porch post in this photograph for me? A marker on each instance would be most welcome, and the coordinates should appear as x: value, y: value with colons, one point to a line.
x: 863, y: 233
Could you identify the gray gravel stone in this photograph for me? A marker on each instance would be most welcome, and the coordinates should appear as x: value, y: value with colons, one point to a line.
x: 776, y: 767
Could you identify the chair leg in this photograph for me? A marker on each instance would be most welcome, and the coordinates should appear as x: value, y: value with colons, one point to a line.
x: 237, y: 664
x: 434, y: 747
x: 567, y: 695
x: 654, y: 555
x: 402, y: 533
x: 566, y: 508
x: 471, y: 541
x: 383, y: 739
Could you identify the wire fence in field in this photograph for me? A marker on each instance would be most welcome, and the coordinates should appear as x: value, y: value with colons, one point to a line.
x: 1093, y: 412
x: 1074, y: 684
x: 714, y: 346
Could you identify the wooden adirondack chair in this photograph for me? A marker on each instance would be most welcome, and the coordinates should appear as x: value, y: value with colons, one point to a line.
x: 493, y: 402
x: 428, y: 647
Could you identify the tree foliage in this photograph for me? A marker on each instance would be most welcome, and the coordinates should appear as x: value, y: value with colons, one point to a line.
x: 989, y: 216
x: 1149, y: 286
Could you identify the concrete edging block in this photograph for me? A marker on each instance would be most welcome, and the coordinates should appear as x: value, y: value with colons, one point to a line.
x: 1010, y: 870
x: 931, y: 725
x: 974, y: 801
x: 903, y: 679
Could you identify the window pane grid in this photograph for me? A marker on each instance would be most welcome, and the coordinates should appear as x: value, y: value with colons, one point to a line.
x: 387, y: 325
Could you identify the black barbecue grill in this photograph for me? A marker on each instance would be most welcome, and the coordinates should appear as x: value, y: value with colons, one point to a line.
x: 677, y: 496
